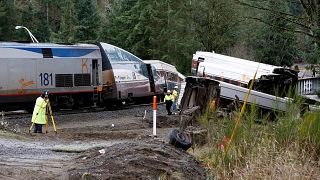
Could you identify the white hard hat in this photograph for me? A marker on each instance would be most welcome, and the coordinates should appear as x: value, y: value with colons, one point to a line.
x: 168, y: 91
x: 176, y: 87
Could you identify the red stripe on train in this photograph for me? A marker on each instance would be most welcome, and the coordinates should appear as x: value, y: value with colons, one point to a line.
x: 36, y: 93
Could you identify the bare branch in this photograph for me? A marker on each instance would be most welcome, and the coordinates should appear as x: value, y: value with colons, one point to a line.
x: 281, y: 27
x: 306, y: 9
x: 268, y: 9
x: 295, y: 22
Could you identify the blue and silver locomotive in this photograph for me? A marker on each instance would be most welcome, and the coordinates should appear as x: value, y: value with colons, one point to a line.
x: 75, y: 75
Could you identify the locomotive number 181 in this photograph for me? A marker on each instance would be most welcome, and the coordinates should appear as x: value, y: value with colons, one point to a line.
x: 45, y: 79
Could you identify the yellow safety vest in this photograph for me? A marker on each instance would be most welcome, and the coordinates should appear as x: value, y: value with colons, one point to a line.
x: 168, y: 98
x: 174, y: 94
x: 40, y: 109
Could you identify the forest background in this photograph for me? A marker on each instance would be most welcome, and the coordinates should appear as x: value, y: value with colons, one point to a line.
x: 270, y: 31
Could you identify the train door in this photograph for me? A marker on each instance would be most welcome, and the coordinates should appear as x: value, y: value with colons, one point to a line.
x: 201, y: 71
x: 3, y: 80
x: 151, y: 79
x: 95, y: 72
x: 195, y: 65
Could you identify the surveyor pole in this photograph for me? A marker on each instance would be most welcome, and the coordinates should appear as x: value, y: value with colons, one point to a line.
x: 241, y: 114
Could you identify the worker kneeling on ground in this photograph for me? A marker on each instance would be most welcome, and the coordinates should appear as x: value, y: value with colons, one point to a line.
x: 39, y: 112
x: 168, y: 99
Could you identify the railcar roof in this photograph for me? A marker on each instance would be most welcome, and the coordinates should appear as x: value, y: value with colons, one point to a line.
x: 158, y: 61
x: 47, y: 45
x: 234, y: 59
x: 161, y: 65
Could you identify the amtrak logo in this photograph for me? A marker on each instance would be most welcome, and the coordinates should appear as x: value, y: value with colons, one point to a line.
x: 24, y: 84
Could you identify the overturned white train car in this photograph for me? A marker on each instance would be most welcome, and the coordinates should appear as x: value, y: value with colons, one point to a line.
x: 229, y: 92
x: 201, y: 93
x: 270, y: 79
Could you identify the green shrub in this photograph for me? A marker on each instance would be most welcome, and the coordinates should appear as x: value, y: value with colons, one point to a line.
x: 309, y: 131
x: 258, y: 147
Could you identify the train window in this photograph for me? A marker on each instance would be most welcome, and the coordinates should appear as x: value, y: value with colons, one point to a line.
x: 119, y: 55
x: 143, y: 69
x: 129, y: 57
x: 47, y: 53
x: 111, y: 53
x: 125, y: 56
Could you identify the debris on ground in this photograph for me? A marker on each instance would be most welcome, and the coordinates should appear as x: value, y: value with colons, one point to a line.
x: 150, y: 159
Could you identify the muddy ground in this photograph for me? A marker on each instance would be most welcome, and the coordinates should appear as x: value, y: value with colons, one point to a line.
x: 87, y: 146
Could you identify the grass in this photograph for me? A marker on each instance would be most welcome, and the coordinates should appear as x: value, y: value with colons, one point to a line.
x: 287, y: 148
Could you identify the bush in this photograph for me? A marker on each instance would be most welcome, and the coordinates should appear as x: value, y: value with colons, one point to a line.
x: 290, y: 144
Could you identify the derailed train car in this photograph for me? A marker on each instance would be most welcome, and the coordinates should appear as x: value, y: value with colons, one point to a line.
x: 75, y: 75
x: 125, y: 76
x: 165, y: 76
x: 274, y: 80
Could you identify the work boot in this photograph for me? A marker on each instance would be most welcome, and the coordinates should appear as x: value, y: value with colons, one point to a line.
x: 39, y: 130
x: 35, y: 129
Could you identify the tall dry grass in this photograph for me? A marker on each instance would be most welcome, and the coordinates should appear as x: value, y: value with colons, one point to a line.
x: 287, y: 148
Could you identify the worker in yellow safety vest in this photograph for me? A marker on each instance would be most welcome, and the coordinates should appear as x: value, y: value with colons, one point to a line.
x: 175, y: 97
x: 168, y: 99
x: 39, y: 112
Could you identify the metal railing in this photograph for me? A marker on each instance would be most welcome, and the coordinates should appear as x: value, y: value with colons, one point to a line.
x: 309, y: 86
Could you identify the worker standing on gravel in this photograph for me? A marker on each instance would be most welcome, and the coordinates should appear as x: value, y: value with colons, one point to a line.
x: 168, y: 99
x: 39, y: 112
x: 175, y: 97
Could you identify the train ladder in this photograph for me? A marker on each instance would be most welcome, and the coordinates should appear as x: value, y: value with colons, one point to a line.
x: 96, y: 95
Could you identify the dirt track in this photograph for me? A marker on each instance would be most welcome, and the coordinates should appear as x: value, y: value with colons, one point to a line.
x: 126, y: 150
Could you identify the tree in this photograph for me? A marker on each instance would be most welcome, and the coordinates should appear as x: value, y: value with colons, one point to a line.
x: 304, y: 15
x: 273, y: 45
x: 8, y: 22
x: 88, y: 21
x: 154, y: 30
x: 2, y: 16
x: 68, y: 26
x: 34, y: 20
x: 214, y: 23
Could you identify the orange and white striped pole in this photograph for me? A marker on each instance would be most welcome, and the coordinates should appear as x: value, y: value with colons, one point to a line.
x: 154, y: 115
